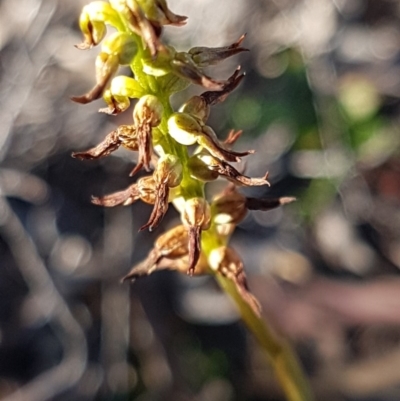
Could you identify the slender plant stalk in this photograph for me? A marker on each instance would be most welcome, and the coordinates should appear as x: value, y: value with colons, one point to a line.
x: 279, y: 352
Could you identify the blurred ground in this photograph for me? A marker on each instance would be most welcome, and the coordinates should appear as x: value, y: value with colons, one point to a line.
x: 320, y: 103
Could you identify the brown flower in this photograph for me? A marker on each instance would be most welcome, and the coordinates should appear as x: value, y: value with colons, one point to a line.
x: 170, y: 246
x: 168, y: 174
x: 144, y: 190
x: 196, y: 216
x: 231, y: 206
x: 215, y: 97
x: 206, y: 56
x: 146, y: 115
x: 110, y: 143
x: 227, y: 262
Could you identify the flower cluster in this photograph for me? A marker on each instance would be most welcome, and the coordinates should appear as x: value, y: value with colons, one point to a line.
x: 178, y: 147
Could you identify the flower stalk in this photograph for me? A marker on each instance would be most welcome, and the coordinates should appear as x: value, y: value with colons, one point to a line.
x: 180, y: 153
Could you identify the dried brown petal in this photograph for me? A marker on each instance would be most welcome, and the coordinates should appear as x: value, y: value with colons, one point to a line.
x: 168, y: 174
x: 196, y: 216
x: 144, y: 268
x: 197, y: 107
x: 170, y: 246
x: 228, y: 171
x: 143, y: 27
x: 184, y: 67
x: 144, y: 190
x: 208, y: 140
x: 129, y: 137
x: 226, y: 261
x: 206, y: 56
x: 145, y: 147
x: 125, y: 197
x: 215, y: 97
x: 182, y: 265
x: 147, y: 189
x: 194, y: 248
x: 232, y: 137
x: 229, y: 207
x: 146, y: 115
x: 174, y: 243
x: 159, y: 209
x: 106, y: 66
x: 267, y: 204
x: 169, y: 17
x: 110, y: 143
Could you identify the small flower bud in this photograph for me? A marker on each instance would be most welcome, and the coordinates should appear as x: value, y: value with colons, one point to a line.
x: 169, y: 170
x: 160, y: 66
x: 197, y: 107
x: 122, y: 45
x: 126, y: 86
x: 197, y: 213
x: 148, y: 110
x: 147, y: 189
x: 93, y: 32
x: 184, y: 128
x: 206, y: 56
x: 116, y: 104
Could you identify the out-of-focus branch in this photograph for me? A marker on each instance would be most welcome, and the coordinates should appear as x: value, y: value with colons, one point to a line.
x: 52, y: 306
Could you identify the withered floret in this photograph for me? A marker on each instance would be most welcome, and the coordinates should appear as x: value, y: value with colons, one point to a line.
x: 196, y: 216
x: 170, y: 251
x: 146, y: 115
x: 227, y: 262
x: 168, y: 174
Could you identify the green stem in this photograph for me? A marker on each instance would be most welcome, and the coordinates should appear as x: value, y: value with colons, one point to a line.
x: 282, y: 357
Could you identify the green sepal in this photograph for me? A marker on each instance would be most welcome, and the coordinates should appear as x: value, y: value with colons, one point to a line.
x: 101, y: 11
x: 171, y: 83
x: 126, y: 86
x: 121, y: 44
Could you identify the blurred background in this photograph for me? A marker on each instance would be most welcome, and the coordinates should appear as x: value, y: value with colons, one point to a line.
x: 321, y: 106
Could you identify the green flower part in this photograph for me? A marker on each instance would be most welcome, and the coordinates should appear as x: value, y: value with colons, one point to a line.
x: 122, y: 45
x: 93, y: 20
x: 106, y: 66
